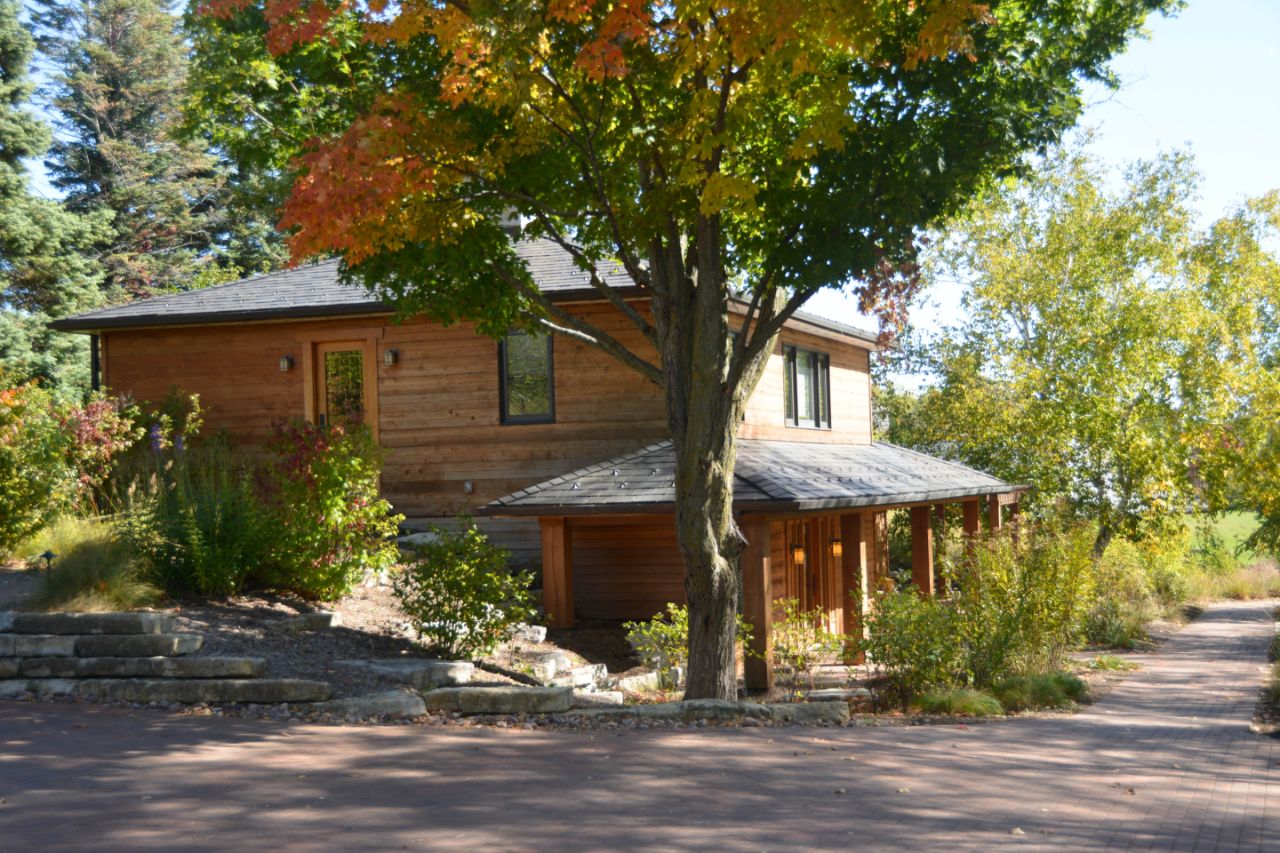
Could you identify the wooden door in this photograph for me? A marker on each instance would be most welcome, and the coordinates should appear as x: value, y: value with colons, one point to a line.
x: 341, y: 392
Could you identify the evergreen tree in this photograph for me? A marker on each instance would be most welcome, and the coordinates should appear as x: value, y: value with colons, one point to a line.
x: 44, y: 270
x: 119, y: 73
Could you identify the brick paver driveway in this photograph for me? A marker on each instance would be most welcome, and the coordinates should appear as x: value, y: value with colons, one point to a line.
x: 1166, y: 762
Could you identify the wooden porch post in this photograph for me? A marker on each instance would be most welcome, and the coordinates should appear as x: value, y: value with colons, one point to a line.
x: 757, y: 603
x: 557, y: 571
x: 972, y: 524
x: 854, y: 571
x: 922, y: 550
x: 993, y: 512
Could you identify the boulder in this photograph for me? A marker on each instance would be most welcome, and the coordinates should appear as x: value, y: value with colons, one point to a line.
x: 89, y: 623
x: 533, y: 634
x: 546, y: 666
x: 810, y: 712
x: 583, y: 676
x: 841, y: 693
x: 138, y: 646
x: 500, y: 700
x: 152, y: 667
x: 421, y: 673
x: 645, y: 682
x: 391, y: 703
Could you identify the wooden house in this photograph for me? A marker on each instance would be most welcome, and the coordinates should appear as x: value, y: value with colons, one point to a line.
x: 562, y: 450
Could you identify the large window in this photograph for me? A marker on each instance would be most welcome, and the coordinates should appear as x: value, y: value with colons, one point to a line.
x: 527, y: 380
x: 807, y: 388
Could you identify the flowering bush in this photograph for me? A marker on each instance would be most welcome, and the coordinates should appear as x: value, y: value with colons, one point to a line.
x: 320, y: 492
x: 52, y: 455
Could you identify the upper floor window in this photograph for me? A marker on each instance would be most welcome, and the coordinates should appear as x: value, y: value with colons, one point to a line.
x: 807, y: 387
x: 527, y: 379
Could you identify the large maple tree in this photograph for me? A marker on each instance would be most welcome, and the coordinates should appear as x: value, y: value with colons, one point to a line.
x: 732, y: 153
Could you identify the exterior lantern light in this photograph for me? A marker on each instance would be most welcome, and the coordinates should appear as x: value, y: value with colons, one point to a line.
x: 837, y: 548
x: 797, y: 554
x: 390, y: 357
x: 286, y: 363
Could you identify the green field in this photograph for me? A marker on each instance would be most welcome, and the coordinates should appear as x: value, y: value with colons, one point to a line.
x: 1234, y: 528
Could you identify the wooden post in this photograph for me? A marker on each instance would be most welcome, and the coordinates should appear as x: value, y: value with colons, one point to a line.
x: 856, y: 594
x: 757, y: 603
x: 922, y: 550
x: 972, y: 525
x: 557, y: 572
x: 993, y: 512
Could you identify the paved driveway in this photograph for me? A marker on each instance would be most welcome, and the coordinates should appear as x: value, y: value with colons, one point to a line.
x: 1165, y: 762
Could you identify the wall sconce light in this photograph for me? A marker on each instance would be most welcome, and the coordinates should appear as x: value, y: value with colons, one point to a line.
x: 390, y: 357
x: 797, y: 554
x: 286, y: 363
x: 837, y: 548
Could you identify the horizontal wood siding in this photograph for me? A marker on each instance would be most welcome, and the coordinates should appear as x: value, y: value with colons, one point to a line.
x: 625, y: 569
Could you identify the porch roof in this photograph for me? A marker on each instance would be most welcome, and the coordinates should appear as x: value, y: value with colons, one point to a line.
x: 770, y: 476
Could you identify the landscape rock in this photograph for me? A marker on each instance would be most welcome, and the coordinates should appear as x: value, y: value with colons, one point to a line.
x: 320, y: 620
x: 500, y: 700
x: 546, y: 666
x: 17, y: 688
x: 533, y: 634
x: 88, y: 623
x: 597, y: 699
x: 136, y: 646
x: 583, y: 676
x: 834, y: 693
x: 267, y: 691
x: 391, y: 703
x: 810, y: 712
x: 645, y: 682
x: 149, y: 667
x: 421, y: 673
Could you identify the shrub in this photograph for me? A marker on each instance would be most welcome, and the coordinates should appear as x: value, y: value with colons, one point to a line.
x: 960, y: 701
x: 663, y: 641
x: 94, y: 569
x: 801, y: 640
x: 1045, y: 690
x: 912, y: 640
x: 329, y: 526
x: 1125, y: 601
x: 196, y: 518
x: 460, y: 595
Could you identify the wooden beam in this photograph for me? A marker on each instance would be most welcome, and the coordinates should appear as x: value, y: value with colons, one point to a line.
x: 993, y: 513
x: 757, y: 603
x: 922, y: 550
x: 557, y: 571
x: 854, y: 571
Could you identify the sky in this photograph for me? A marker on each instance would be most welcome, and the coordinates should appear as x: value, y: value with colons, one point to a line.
x: 1207, y: 80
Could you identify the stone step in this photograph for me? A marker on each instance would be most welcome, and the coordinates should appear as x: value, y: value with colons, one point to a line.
x: 264, y: 691
x: 500, y: 700
x: 152, y: 667
x: 422, y: 673
x: 12, y: 622
x: 98, y: 645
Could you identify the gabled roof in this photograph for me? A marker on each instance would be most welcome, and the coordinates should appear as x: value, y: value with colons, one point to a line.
x: 314, y: 291
x: 777, y: 476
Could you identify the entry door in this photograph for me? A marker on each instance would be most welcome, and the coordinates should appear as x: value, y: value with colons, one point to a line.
x: 341, y: 395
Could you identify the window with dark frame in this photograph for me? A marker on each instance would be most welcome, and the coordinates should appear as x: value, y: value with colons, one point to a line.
x: 806, y: 386
x: 526, y: 379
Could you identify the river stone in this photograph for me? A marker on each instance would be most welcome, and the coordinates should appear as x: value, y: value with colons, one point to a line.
x: 500, y: 700
x: 811, y: 712
x: 391, y: 703
x: 139, y: 646
x: 264, y: 691
x: 91, y: 623
x: 421, y: 673
x: 150, y: 667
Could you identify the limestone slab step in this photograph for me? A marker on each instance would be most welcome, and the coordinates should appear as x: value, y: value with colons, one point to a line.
x: 86, y: 623
x: 265, y: 691
x: 151, y: 667
x: 500, y: 700
x: 98, y: 645
x: 422, y: 673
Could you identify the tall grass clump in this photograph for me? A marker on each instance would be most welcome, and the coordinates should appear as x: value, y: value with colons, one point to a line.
x: 94, y: 569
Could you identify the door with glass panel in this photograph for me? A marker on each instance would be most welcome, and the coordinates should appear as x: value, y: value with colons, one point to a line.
x: 340, y: 386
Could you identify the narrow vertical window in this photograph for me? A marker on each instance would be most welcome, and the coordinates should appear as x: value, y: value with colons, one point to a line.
x: 806, y: 387
x: 526, y: 378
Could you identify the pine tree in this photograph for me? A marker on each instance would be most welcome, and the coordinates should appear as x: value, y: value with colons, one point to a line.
x: 119, y: 77
x: 45, y: 271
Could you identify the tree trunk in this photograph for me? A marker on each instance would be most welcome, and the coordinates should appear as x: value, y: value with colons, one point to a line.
x: 692, y: 324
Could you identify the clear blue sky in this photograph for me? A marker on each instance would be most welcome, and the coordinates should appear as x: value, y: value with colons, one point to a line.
x: 1207, y: 79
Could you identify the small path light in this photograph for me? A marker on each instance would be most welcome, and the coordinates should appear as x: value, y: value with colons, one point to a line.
x: 48, y: 557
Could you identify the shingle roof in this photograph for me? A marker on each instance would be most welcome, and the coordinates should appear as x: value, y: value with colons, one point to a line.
x: 311, y: 290
x: 314, y: 290
x: 773, y: 475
